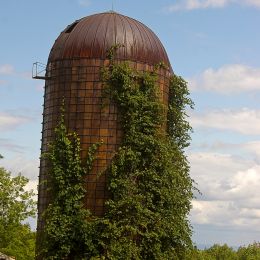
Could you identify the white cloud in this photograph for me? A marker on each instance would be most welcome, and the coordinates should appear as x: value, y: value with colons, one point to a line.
x: 32, y: 185
x: 197, y: 4
x: 10, y: 121
x: 255, y: 3
x: 203, y: 4
x: 246, y: 184
x: 21, y: 164
x: 253, y: 147
x: 6, y: 69
x: 84, y: 3
x: 225, y: 214
x: 228, y: 79
x: 213, y: 172
x: 249, y: 149
x: 230, y: 189
x: 244, y: 120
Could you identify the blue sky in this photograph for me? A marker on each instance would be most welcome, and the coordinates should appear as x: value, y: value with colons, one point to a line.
x: 213, y: 44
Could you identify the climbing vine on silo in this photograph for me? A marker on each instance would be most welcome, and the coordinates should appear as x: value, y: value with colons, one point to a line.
x: 149, y: 182
x: 178, y: 126
x: 67, y: 233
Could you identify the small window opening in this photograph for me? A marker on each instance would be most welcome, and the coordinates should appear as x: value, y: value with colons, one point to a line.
x: 71, y: 27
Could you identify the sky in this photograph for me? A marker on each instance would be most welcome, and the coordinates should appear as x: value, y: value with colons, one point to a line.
x: 213, y: 44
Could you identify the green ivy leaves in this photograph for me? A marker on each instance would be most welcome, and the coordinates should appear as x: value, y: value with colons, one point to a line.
x: 149, y: 183
x: 150, y: 186
x: 67, y: 233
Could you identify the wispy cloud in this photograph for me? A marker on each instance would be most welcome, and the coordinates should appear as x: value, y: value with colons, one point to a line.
x: 6, y: 69
x: 197, y: 4
x: 9, y: 70
x: 204, y: 4
x: 244, y: 120
x: 251, y: 148
x: 3, y: 82
x: 255, y: 3
x: 227, y: 79
x: 84, y: 3
x: 10, y: 145
x: 10, y: 121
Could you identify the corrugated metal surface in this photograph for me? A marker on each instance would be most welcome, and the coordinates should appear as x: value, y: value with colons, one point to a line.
x: 92, y: 36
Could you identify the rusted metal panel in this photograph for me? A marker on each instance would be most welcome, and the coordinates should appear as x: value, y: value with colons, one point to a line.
x: 81, y: 89
x: 91, y: 36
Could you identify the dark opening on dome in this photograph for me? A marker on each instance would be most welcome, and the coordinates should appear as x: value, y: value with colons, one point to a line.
x: 71, y: 27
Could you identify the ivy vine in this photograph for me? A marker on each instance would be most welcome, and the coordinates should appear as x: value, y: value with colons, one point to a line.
x: 68, y: 233
x: 150, y: 187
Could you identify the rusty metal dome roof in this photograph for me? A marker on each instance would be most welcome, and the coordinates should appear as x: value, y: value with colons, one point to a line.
x: 92, y: 36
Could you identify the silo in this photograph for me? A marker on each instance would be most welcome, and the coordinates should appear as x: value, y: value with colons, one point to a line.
x: 73, y: 75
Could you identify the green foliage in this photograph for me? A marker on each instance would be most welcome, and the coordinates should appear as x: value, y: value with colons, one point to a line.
x: 178, y: 127
x: 16, y: 205
x: 18, y: 241
x: 221, y: 252
x: 250, y: 252
x: 68, y: 230
x: 112, y: 51
x: 224, y: 252
x: 149, y: 181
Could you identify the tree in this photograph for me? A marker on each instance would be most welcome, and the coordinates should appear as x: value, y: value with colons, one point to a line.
x: 16, y: 205
x: 224, y: 252
x: 220, y: 252
x: 20, y: 242
x: 249, y: 252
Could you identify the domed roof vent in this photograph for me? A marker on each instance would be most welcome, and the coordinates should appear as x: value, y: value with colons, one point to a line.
x: 92, y: 36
